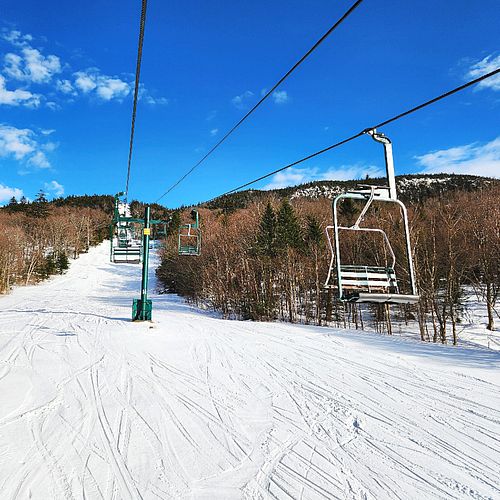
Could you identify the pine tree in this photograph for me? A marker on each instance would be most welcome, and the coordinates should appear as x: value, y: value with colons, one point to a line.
x: 266, y: 237
x: 289, y: 232
x: 314, y: 233
x: 41, y: 197
x: 62, y: 262
x: 39, y: 207
x: 175, y: 222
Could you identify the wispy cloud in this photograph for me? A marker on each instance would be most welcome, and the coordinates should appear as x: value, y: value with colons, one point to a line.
x: 28, y: 64
x: 241, y: 101
x: 23, y: 145
x: 280, y: 97
x: 17, y: 97
x: 15, y: 37
x: 294, y: 176
x: 486, y: 65
x: 53, y: 187
x: 474, y: 159
x: 211, y: 115
x: 214, y: 132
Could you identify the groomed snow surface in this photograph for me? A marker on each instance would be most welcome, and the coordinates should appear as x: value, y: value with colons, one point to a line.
x: 191, y: 406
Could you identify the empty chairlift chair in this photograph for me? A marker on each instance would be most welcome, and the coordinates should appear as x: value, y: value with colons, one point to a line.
x: 370, y: 283
x: 126, y: 248
x: 190, y: 236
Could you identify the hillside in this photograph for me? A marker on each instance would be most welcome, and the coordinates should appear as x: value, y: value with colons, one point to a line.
x: 411, y: 188
x: 193, y: 406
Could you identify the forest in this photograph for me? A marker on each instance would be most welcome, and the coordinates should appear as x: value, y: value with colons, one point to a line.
x: 38, y: 238
x: 269, y: 260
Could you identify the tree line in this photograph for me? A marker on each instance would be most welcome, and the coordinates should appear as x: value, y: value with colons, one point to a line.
x: 269, y: 261
x: 37, y: 238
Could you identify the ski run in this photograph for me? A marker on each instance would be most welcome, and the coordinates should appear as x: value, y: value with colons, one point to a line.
x: 93, y: 406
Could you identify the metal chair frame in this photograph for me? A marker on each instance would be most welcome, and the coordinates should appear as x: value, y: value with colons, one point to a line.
x: 373, y: 284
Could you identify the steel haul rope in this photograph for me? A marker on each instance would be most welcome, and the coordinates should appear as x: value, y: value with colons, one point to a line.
x: 364, y: 131
x: 266, y: 95
x: 136, y: 90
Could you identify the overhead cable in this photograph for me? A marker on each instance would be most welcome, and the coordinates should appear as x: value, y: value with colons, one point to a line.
x: 365, y: 130
x: 136, y: 89
x: 265, y: 96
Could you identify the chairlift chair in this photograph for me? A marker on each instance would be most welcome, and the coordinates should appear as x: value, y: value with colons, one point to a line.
x: 370, y: 283
x: 189, y: 242
x: 125, y: 246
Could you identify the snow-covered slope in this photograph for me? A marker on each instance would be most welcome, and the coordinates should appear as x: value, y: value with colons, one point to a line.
x: 192, y: 406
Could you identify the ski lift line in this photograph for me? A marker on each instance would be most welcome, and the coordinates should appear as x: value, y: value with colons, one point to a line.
x: 366, y: 130
x: 266, y: 95
x: 136, y: 89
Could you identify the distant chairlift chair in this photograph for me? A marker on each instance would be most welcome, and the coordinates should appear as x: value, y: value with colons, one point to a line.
x: 190, y: 236
x: 362, y: 283
x: 128, y: 249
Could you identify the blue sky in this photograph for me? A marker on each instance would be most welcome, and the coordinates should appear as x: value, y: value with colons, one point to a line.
x: 66, y: 73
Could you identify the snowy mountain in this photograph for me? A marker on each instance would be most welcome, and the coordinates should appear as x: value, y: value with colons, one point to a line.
x: 410, y: 187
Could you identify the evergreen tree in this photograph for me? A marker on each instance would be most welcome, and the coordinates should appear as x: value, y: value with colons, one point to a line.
x: 314, y: 233
x: 13, y: 205
x: 47, y: 266
x: 40, y: 206
x: 288, y: 231
x: 62, y: 262
x: 266, y: 237
x: 175, y: 222
x: 41, y: 197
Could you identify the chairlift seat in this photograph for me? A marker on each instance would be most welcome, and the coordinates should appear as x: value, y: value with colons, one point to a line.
x: 370, y: 278
x: 380, y: 298
x: 189, y: 250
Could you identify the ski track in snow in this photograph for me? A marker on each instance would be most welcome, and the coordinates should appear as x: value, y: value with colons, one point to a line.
x: 195, y: 407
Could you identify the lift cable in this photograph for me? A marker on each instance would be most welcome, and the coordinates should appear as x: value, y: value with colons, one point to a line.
x: 136, y: 89
x: 364, y: 131
x: 266, y: 95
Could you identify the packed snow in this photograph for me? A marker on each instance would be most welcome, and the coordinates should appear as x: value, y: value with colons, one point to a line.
x: 192, y: 406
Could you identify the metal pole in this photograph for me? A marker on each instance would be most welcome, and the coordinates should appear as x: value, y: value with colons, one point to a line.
x: 145, y: 262
x: 389, y: 161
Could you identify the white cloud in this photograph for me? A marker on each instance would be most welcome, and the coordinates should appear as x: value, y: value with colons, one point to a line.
x: 145, y: 96
x: 294, y: 176
x: 39, y: 160
x: 112, y: 88
x: 471, y: 159
x: 23, y: 146
x: 31, y: 66
x: 28, y: 64
x: 105, y: 87
x: 486, y: 65
x: 54, y: 187
x: 85, y: 81
x: 6, y: 193
x: 214, y: 132
x: 280, y: 96
x: 66, y: 87
x: 241, y: 101
x: 17, y: 97
x: 16, y: 38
